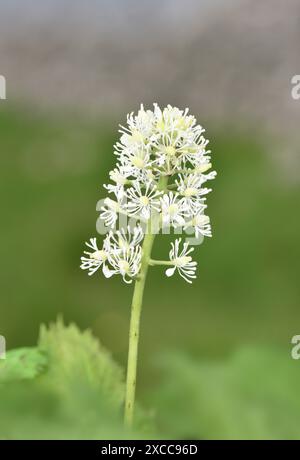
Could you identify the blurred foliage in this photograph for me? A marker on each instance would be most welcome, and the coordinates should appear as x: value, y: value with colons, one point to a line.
x: 253, y: 395
x: 78, y: 359
x: 22, y: 364
x: 79, y: 395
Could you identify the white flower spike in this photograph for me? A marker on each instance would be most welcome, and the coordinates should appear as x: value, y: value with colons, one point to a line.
x: 162, y: 165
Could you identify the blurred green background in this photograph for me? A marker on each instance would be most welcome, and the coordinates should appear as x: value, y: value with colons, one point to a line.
x: 228, y: 334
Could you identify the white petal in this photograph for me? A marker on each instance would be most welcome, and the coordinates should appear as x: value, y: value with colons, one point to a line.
x: 107, y: 272
x: 180, y: 220
x: 170, y: 271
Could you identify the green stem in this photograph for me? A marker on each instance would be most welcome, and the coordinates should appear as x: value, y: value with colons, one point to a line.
x: 136, y: 308
x: 153, y: 262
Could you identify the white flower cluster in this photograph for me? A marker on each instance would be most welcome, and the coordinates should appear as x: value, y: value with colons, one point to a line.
x: 121, y: 254
x: 157, y: 144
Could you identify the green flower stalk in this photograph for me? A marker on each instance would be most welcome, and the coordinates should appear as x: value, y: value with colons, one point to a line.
x: 162, y: 166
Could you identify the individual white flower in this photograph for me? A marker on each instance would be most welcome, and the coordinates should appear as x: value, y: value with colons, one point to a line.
x: 209, y: 176
x: 125, y: 238
x: 201, y: 225
x: 96, y: 258
x: 143, y: 201
x: 136, y: 160
x: 172, y: 119
x: 117, y: 190
x: 194, y: 150
x: 182, y: 261
x: 202, y: 165
x: 126, y: 262
x: 120, y: 178
x: 110, y: 212
x: 173, y: 210
x: 165, y: 149
x: 119, y: 175
x: 190, y: 188
x: 200, y: 168
x: 139, y: 128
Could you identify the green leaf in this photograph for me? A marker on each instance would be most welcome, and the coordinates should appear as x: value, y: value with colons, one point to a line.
x: 80, y: 396
x: 77, y: 358
x: 22, y: 364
